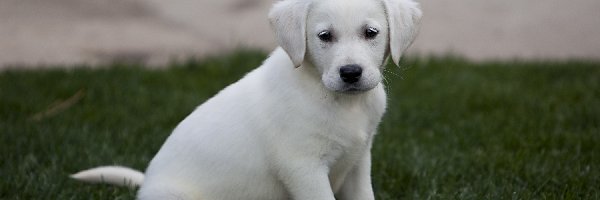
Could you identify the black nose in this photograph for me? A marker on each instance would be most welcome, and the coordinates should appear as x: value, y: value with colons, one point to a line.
x: 350, y: 73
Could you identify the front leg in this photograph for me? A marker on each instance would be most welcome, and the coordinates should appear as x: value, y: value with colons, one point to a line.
x: 296, y: 162
x: 306, y: 180
x: 357, y: 185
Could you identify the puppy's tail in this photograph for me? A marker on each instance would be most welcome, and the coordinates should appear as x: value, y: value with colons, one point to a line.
x: 115, y: 175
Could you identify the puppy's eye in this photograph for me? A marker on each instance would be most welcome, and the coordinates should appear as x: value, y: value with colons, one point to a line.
x: 371, y: 33
x: 325, y: 36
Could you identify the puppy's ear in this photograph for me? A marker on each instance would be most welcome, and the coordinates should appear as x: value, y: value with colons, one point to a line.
x: 288, y: 20
x: 404, y: 17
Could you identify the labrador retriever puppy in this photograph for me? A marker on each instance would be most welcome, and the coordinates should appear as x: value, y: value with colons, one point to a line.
x: 298, y: 127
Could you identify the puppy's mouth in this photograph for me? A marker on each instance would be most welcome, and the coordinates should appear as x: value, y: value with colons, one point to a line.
x: 354, y: 89
x: 336, y: 84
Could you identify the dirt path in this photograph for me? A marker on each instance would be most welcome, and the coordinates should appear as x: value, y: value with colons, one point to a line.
x: 55, y: 32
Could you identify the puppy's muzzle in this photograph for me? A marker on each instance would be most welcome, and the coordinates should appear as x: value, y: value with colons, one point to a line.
x: 350, y: 73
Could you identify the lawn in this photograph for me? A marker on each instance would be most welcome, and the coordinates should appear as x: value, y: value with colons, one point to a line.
x: 454, y: 129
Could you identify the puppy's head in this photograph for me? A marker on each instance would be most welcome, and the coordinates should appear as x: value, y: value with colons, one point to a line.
x: 347, y: 41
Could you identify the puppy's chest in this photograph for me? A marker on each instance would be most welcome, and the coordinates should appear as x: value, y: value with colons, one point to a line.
x: 339, y: 153
x: 347, y: 127
x: 344, y: 137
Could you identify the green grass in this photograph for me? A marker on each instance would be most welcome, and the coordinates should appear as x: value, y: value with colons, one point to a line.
x: 453, y: 130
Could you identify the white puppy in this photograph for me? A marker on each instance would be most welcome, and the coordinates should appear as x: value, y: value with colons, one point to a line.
x: 298, y: 127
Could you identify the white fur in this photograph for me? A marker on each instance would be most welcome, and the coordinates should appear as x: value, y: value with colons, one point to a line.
x: 115, y: 175
x: 404, y: 17
x: 283, y: 132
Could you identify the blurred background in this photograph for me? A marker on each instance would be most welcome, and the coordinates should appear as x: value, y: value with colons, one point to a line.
x: 512, y: 113
x: 57, y: 32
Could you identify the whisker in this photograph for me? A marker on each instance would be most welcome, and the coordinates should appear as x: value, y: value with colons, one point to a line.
x: 391, y: 72
x: 387, y: 82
